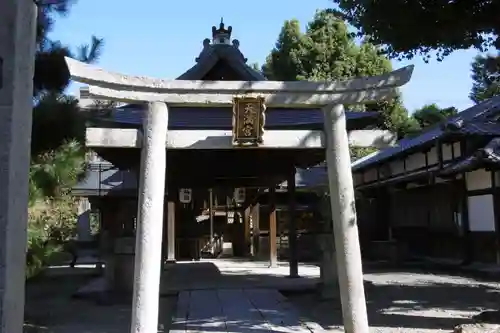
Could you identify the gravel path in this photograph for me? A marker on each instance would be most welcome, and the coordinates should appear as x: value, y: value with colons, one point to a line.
x: 406, y: 301
x: 410, y: 302
x: 51, y: 309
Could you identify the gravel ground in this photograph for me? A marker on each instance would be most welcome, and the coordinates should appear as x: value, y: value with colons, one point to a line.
x: 406, y: 301
x: 50, y: 308
x: 409, y: 301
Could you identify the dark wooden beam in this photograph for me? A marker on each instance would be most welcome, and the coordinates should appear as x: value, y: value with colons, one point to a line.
x: 468, y: 248
x: 246, y: 221
x: 171, y: 231
x: 292, y: 227
x: 198, y: 181
x: 496, y: 213
x: 273, y: 251
x: 249, y: 162
x: 256, y: 229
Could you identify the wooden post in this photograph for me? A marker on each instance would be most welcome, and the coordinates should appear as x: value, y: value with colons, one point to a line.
x: 468, y: 248
x: 211, y: 212
x: 17, y: 54
x: 171, y: 232
x: 292, y: 227
x: 496, y: 214
x: 273, y: 253
x: 256, y: 229
x: 246, y: 221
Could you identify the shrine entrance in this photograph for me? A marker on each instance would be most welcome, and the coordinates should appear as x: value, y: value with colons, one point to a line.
x: 195, y: 136
x: 237, y: 197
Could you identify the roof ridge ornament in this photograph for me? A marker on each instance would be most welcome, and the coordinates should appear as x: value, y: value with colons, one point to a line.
x: 221, y: 35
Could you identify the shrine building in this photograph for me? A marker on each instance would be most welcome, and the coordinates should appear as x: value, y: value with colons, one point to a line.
x: 219, y: 200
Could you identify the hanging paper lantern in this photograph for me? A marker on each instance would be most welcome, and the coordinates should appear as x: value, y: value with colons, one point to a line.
x: 239, y: 195
x: 185, y: 195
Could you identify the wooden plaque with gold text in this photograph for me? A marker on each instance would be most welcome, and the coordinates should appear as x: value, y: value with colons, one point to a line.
x: 248, y: 120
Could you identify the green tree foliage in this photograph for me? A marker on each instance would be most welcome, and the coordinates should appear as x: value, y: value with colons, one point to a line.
x: 52, y: 211
x: 417, y: 27
x: 51, y: 78
x: 53, y: 173
x: 56, y: 111
x: 431, y: 114
x: 58, y: 132
x: 485, y: 77
x: 328, y: 51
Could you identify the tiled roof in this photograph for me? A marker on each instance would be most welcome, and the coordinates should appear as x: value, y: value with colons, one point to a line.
x: 231, y: 55
x: 111, y: 179
x: 221, y: 117
x: 312, y: 177
x: 479, y: 111
x: 479, y: 127
x: 489, y: 154
x: 103, y: 178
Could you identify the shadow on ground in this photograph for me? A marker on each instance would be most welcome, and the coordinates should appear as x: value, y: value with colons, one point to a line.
x: 51, y: 308
x: 228, y: 274
x: 398, y: 301
x: 407, y: 300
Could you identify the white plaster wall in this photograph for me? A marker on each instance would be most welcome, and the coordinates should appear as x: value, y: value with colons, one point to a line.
x: 478, y: 180
x: 456, y: 149
x: 497, y: 178
x: 384, y: 171
x: 415, y: 161
x: 447, y: 153
x: 397, y: 167
x: 481, y: 214
x: 432, y: 156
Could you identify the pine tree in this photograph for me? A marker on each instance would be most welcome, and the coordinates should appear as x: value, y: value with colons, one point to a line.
x: 58, y: 125
x: 56, y: 118
x: 431, y: 114
x: 485, y: 77
x: 328, y: 51
x: 58, y: 133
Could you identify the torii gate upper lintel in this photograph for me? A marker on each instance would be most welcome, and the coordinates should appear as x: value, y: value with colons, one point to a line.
x: 115, y: 86
x: 161, y: 93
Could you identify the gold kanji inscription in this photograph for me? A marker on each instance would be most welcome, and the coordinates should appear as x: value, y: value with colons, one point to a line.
x: 248, y: 120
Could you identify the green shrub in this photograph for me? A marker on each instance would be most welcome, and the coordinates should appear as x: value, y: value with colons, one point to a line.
x: 52, y: 212
x: 51, y: 223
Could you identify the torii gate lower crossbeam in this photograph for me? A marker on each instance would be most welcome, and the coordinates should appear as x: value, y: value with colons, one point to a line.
x: 161, y: 93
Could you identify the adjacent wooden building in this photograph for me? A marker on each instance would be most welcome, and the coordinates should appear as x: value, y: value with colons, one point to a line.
x: 436, y: 194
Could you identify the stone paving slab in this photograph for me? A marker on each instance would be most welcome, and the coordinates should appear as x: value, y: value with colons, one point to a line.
x: 237, y: 310
x: 234, y: 274
x: 223, y: 274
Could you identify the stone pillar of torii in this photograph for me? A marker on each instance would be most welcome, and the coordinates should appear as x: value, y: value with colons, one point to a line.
x: 17, y: 47
x: 17, y: 57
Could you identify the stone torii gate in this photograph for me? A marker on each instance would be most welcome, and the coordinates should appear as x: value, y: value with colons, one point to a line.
x: 17, y: 49
x: 160, y: 94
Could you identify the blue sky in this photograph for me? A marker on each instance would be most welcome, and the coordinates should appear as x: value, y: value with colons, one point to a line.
x: 162, y: 38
